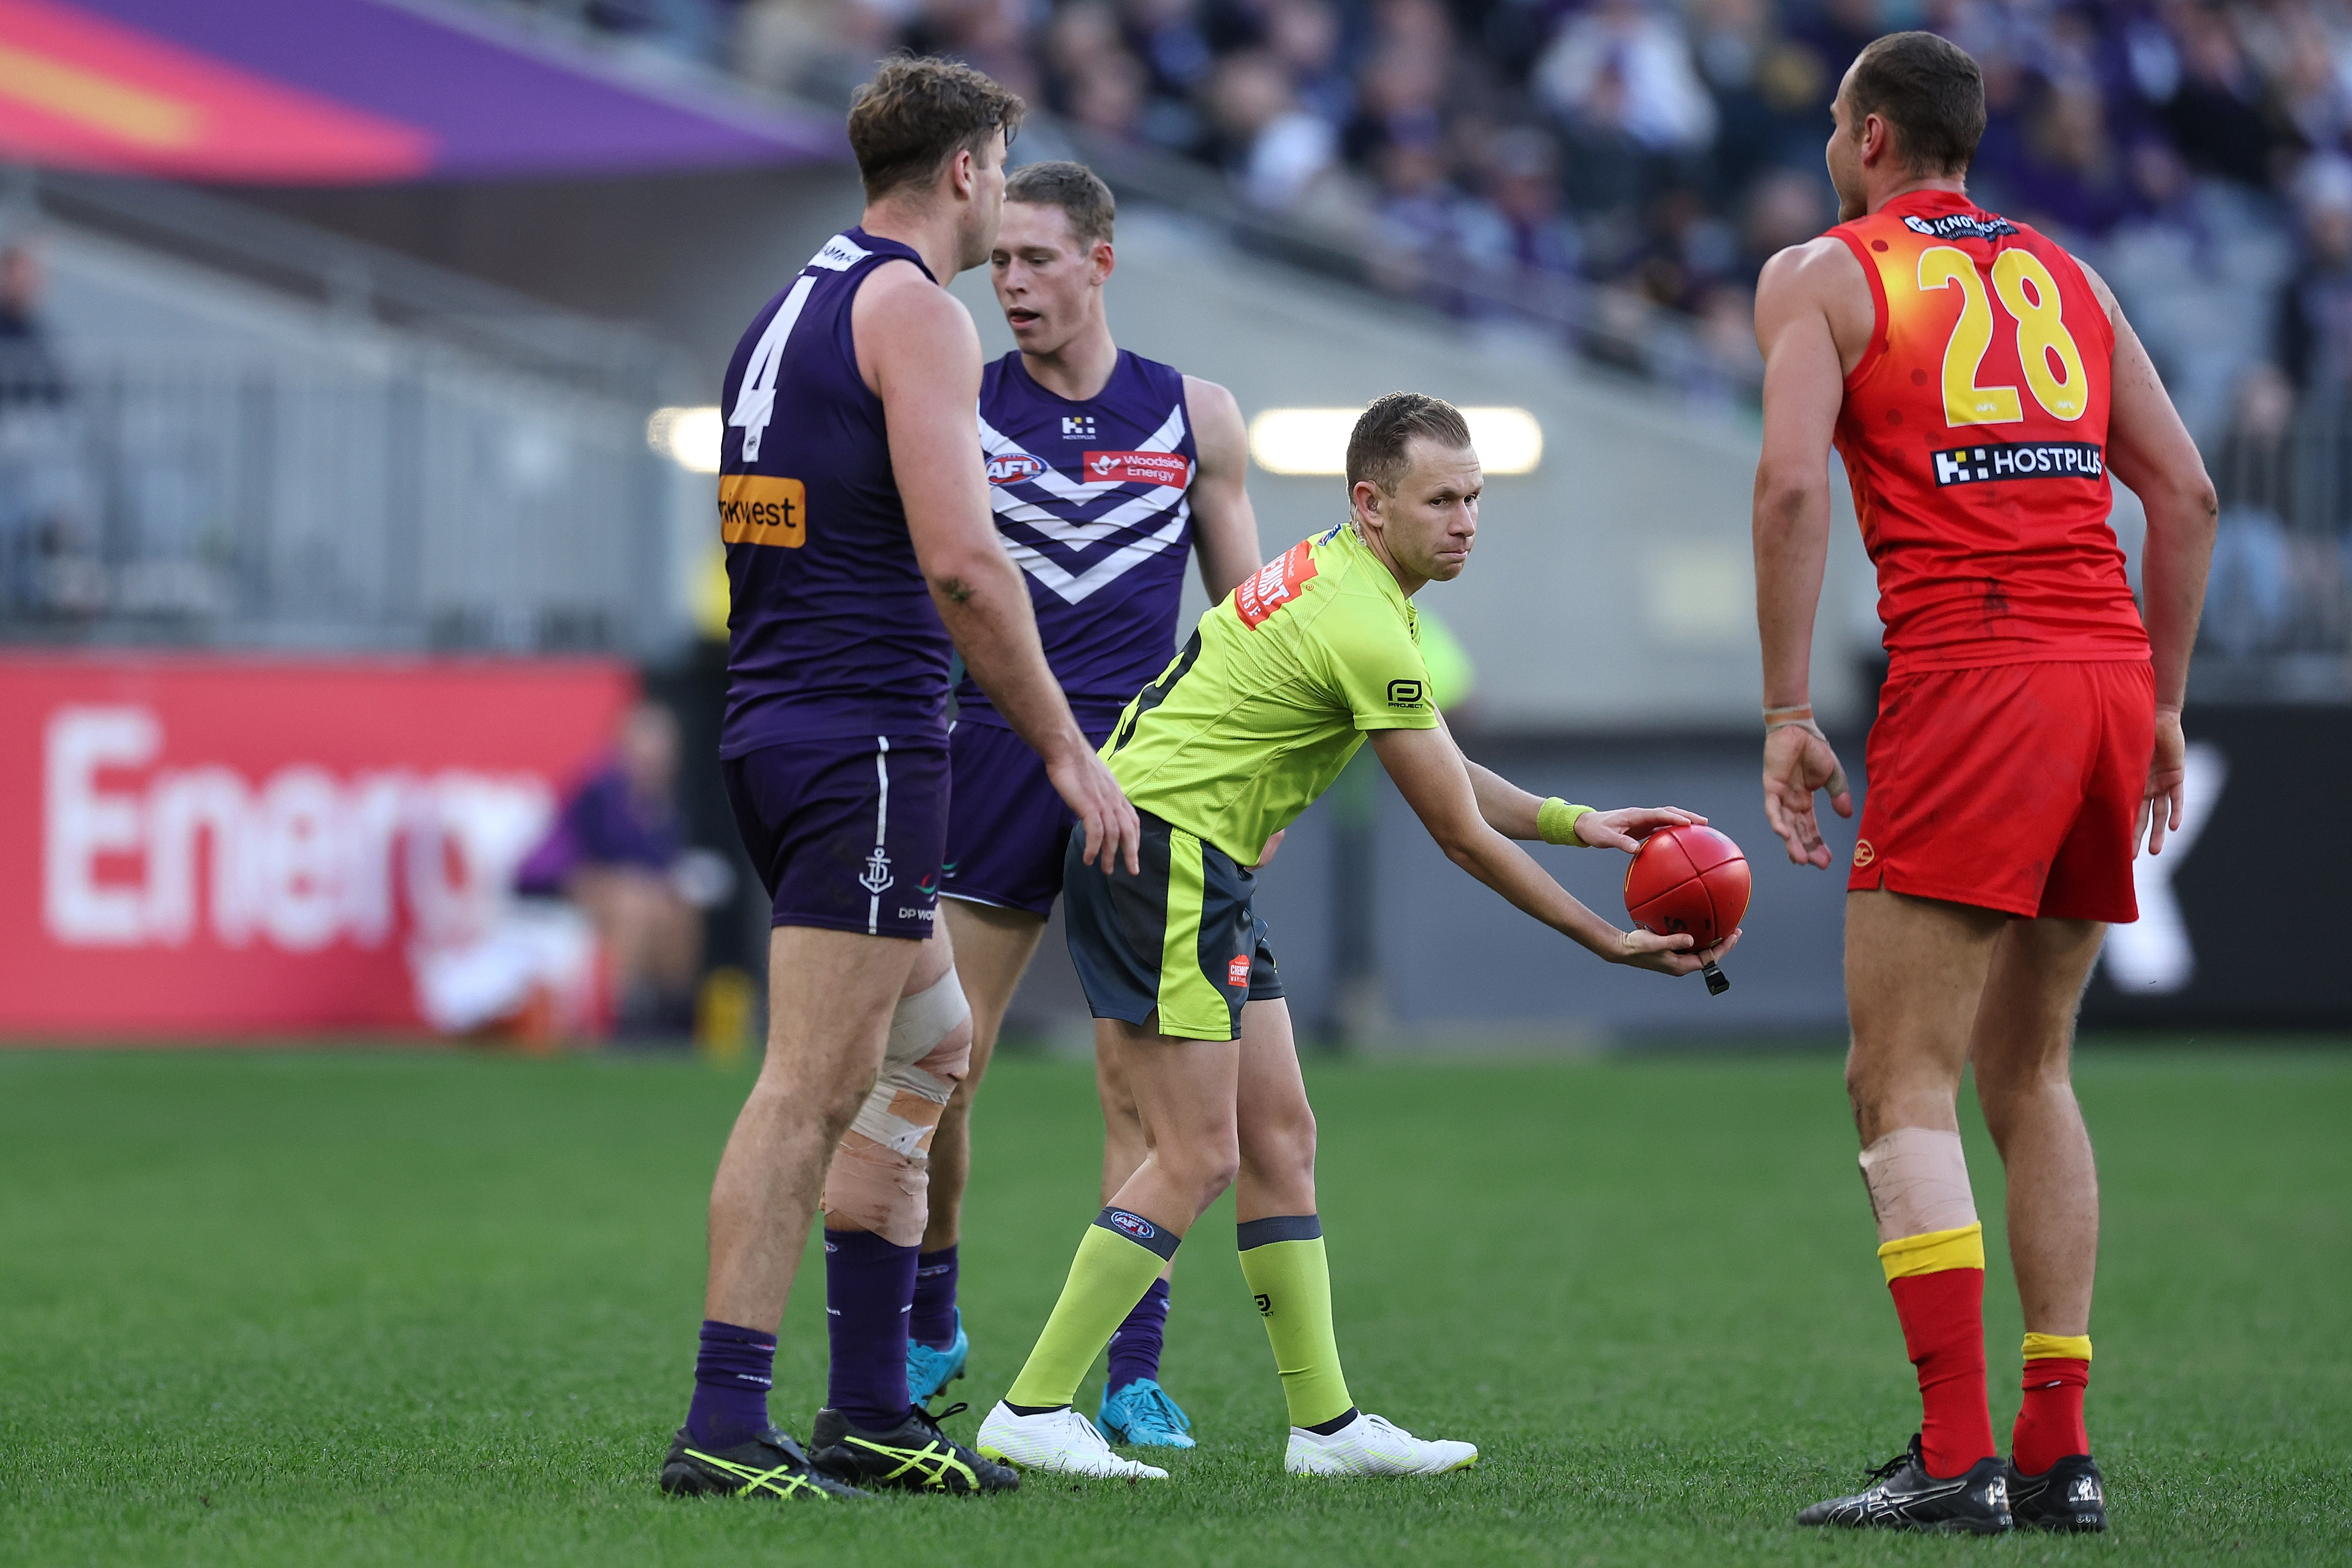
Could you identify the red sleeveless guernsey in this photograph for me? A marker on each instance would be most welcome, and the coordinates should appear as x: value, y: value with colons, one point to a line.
x: 1975, y: 432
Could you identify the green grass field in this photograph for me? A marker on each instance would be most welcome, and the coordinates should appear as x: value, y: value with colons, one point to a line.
x: 408, y: 1308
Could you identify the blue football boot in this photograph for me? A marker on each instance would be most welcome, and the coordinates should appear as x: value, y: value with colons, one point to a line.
x: 929, y: 1371
x: 1141, y: 1416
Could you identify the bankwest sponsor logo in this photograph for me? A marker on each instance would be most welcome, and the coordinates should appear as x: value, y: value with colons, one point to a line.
x: 760, y: 509
x: 1013, y: 466
x: 1275, y: 585
x: 1961, y: 226
x: 1173, y: 469
x: 1997, y: 460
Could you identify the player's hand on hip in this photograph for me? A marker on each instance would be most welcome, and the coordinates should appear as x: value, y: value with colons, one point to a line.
x: 1625, y: 828
x: 1798, y: 760
x: 1673, y: 954
x: 1093, y: 796
x: 2167, y: 774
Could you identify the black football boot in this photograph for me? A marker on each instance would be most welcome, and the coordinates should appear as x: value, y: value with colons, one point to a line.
x: 914, y: 1454
x: 770, y: 1465
x: 1906, y: 1497
x: 2070, y: 1496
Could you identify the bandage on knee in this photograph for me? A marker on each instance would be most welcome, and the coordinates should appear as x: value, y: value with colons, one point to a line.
x: 1918, y: 1182
x: 881, y: 1177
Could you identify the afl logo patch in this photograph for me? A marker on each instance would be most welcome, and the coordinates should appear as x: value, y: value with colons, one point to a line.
x: 1133, y: 1225
x: 1013, y: 465
x: 1862, y: 854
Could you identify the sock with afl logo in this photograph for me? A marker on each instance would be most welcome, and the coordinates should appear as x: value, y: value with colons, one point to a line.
x: 2050, y: 1423
x: 1938, y: 1282
x: 1120, y: 1257
x: 1284, y: 1261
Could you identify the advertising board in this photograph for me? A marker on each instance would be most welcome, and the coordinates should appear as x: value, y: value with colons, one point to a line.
x: 202, y: 847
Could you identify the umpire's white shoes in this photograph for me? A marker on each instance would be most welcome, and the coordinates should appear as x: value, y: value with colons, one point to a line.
x: 1372, y: 1446
x: 1061, y: 1442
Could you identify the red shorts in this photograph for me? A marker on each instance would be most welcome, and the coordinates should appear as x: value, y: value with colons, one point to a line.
x: 2011, y: 786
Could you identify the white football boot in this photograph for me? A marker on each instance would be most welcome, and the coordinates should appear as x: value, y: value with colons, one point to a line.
x: 1372, y: 1446
x: 1062, y: 1441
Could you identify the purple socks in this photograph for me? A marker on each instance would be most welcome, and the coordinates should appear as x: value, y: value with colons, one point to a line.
x: 1135, y: 1346
x: 933, y: 1320
x: 869, y: 1287
x: 732, y: 1373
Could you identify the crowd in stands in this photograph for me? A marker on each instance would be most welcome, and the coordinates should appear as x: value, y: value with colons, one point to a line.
x: 1593, y: 162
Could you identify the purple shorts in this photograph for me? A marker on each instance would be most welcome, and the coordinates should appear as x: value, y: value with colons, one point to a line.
x: 847, y: 831
x: 1007, y: 829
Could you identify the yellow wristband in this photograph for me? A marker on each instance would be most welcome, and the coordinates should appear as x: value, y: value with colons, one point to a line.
x: 1556, y: 822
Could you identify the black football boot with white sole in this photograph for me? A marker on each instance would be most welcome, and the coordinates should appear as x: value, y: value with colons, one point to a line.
x: 1906, y: 1497
x: 2070, y: 1497
x: 772, y: 1465
x: 915, y: 1455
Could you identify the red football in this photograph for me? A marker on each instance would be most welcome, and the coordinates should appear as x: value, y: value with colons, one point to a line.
x: 1687, y: 879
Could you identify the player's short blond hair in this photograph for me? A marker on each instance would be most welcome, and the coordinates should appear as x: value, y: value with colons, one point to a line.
x: 1077, y: 190
x: 1376, y: 449
x: 918, y: 113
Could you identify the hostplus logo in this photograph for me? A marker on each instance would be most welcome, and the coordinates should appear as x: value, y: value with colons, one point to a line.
x: 1997, y: 460
x: 1077, y: 427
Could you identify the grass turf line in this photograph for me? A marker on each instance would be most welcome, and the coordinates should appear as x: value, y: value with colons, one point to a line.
x: 341, y: 1308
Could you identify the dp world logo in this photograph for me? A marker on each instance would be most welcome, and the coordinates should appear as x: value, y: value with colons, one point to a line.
x: 1133, y: 1225
x: 1013, y: 465
x: 877, y: 875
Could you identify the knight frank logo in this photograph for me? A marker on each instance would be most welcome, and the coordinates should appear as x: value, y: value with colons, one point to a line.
x: 876, y: 878
x: 1997, y: 460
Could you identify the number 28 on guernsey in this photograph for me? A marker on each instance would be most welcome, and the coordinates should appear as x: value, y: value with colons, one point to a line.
x: 2045, y: 349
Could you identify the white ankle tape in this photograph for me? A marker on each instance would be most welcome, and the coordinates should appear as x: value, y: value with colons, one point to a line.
x: 1918, y: 1182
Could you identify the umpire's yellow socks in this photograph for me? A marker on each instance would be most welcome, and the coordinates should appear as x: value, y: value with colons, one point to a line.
x: 1282, y: 1259
x: 1120, y: 1255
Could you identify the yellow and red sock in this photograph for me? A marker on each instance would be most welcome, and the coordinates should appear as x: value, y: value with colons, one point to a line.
x: 1938, y: 1282
x: 2050, y: 1423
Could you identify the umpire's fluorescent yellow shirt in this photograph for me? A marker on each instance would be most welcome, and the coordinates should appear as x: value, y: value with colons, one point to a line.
x: 1267, y: 703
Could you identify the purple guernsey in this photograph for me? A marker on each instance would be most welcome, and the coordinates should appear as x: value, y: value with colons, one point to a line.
x: 1090, y: 498
x: 832, y: 631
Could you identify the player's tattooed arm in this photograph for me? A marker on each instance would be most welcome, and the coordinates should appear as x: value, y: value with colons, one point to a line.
x: 1224, y: 526
x: 1814, y: 322
x: 1429, y: 771
x: 920, y: 353
x: 2149, y: 450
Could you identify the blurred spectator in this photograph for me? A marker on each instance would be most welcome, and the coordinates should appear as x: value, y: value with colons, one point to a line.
x: 2216, y: 114
x: 1276, y: 149
x: 617, y: 851
x: 1520, y: 235
x: 1784, y: 208
x: 29, y: 372
x: 1625, y: 67
x: 48, y: 556
x: 2068, y: 178
x: 2314, y: 336
x: 2247, y: 595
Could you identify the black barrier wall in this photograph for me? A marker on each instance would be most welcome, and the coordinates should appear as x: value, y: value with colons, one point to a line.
x: 2245, y: 924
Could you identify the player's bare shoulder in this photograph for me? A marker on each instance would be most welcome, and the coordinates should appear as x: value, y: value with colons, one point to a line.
x: 1217, y: 430
x: 901, y: 319
x: 1821, y: 280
